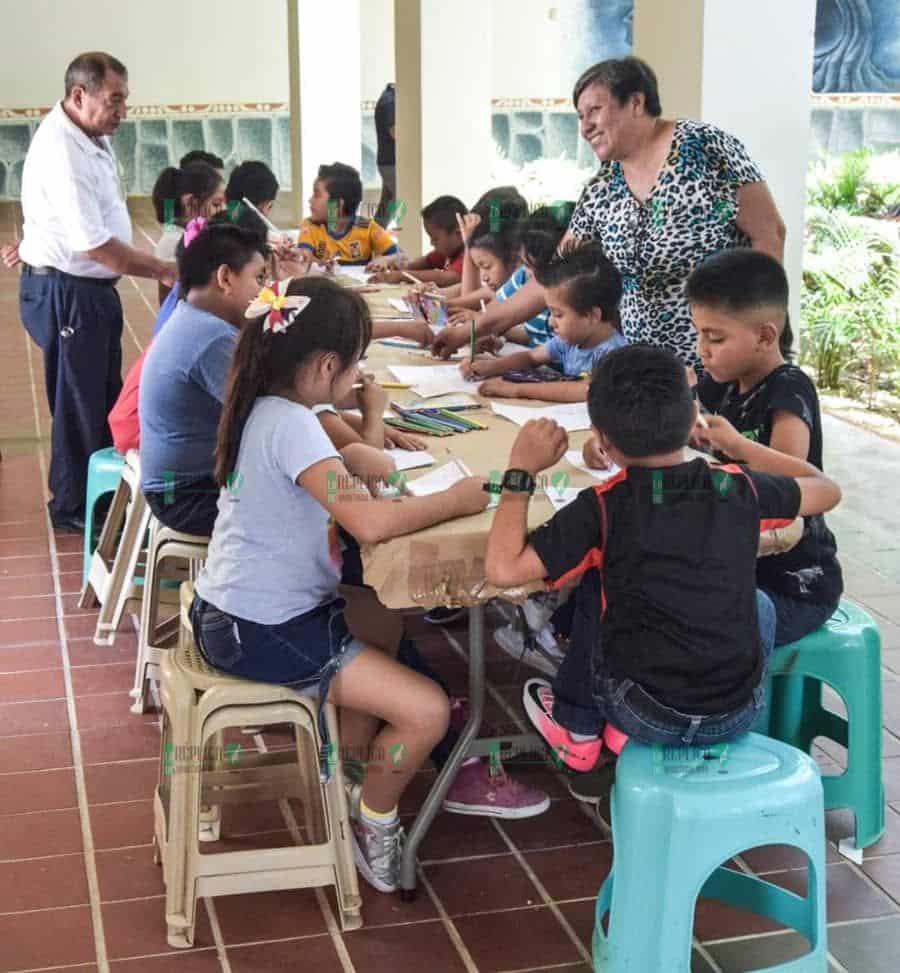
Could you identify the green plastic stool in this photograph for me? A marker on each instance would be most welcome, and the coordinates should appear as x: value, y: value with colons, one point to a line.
x: 104, y: 473
x: 845, y: 654
x: 677, y: 814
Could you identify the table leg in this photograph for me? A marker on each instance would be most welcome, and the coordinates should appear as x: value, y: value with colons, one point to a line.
x: 435, y: 797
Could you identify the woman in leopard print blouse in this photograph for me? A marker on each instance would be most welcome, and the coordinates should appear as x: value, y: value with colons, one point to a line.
x: 667, y: 195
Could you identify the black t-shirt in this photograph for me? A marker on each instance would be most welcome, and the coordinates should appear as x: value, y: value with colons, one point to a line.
x: 675, y: 549
x: 810, y: 571
x: 384, y: 120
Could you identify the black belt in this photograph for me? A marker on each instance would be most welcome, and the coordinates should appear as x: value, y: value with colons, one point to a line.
x: 30, y: 271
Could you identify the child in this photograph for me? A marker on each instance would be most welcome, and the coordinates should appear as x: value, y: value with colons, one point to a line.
x: 332, y: 233
x: 582, y: 289
x: 254, y: 181
x: 739, y: 301
x: 200, y: 155
x: 443, y: 265
x: 267, y: 605
x: 669, y: 632
x: 179, y: 196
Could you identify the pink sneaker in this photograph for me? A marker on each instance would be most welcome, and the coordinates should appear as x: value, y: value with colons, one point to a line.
x: 580, y: 755
x: 475, y: 790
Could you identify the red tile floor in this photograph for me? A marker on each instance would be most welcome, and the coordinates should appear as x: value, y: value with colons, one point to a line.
x: 78, y: 888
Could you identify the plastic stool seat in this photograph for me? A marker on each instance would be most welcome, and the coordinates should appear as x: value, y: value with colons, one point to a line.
x: 104, y: 473
x: 677, y: 815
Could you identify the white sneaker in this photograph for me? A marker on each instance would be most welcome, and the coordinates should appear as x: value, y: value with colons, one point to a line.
x: 511, y: 640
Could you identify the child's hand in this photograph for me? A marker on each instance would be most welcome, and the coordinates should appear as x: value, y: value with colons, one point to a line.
x: 395, y: 439
x: 468, y: 496
x: 449, y: 340
x: 540, y: 444
x: 9, y: 254
x: 691, y: 376
x: 467, y: 224
x: 499, y: 388
x: 479, y: 368
x: 379, y: 265
x: 461, y: 317
x: 421, y: 332
x: 595, y: 456
x: 371, y: 465
x: 718, y: 432
x: 371, y: 398
x: 290, y: 262
x: 490, y: 344
x: 387, y: 277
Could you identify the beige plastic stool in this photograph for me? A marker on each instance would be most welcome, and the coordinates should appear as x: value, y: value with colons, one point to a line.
x: 114, y: 564
x: 198, y: 704
x: 182, y: 556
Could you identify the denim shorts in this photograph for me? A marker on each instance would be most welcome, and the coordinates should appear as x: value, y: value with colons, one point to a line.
x: 305, y: 652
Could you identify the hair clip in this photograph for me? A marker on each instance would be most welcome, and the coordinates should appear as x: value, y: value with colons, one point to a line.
x: 279, y: 308
x: 194, y: 229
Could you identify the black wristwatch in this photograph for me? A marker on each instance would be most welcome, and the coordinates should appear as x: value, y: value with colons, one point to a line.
x: 518, y: 481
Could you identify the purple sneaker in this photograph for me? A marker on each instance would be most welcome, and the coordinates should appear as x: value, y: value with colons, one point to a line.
x: 475, y: 790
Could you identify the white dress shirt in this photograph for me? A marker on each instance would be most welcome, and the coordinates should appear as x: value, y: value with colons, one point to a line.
x: 71, y: 197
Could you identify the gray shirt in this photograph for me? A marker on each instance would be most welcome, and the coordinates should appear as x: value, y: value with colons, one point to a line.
x: 274, y: 552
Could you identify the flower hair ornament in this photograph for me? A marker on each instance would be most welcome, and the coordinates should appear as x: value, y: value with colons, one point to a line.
x: 194, y: 228
x: 279, y: 307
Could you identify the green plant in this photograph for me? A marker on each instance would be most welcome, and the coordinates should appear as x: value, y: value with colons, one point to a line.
x: 855, y: 182
x: 851, y: 298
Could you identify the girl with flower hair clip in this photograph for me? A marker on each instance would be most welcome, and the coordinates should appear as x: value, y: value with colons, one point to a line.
x: 267, y: 605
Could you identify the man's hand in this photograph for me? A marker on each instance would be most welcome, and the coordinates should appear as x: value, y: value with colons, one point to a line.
x: 168, y: 274
x: 540, y: 444
x: 9, y: 254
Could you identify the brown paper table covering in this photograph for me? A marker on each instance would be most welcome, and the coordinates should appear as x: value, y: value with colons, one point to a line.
x: 444, y: 564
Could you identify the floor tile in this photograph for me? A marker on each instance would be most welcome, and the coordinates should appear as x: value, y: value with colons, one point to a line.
x: 482, y: 885
x: 44, y: 791
x: 184, y: 961
x: 580, y: 916
x: 83, y: 652
x: 81, y: 626
x: 121, y: 825
x: 886, y: 873
x: 849, y: 896
x: 70, y: 582
x: 315, y: 954
x: 518, y: 940
x: 130, y: 742
x: 108, y: 710
x: 43, y: 883
x: 20, y: 719
x: 782, y: 858
x: 30, y: 547
x: 138, y: 928
x: 41, y: 606
x: 32, y: 685
x: 54, y: 937
x: 132, y: 781
x: 38, y: 751
x: 758, y: 953
x: 445, y: 840
x: 389, y: 910
x: 866, y: 947
x: 572, y: 873
x: 891, y: 775
x: 40, y: 834
x: 23, y: 567
x: 386, y: 949
x: 17, y: 658
x: 128, y: 873
x: 110, y: 678
x: 31, y: 630
x: 28, y: 584
x: 261, y: 916
x: 563, y: 823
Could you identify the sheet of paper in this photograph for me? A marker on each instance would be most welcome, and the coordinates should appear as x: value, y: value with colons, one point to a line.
x: 446, y: 401
x: 562, y: 498
x: 577, y: 460
x: 398, y: 304
x: 387, y: 414
x: 410, y: 459
x: 439, y: 479
x: 359, y: 274
x: 428, y: 381
x: 572, y: 416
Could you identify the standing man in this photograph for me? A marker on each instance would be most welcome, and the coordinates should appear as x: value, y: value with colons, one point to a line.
x: 387, y: 152
x: 76, y: 244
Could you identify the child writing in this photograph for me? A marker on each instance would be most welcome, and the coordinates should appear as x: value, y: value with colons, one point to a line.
x: 266, y: 604
x: 443, y: 265
x: 179, y: 196
x: 670, y: 631
x: 739, y: 302
x: 332, y: 232
x: 582, y: 289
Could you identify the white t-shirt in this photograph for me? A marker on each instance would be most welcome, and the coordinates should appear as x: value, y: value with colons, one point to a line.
x: 72, y: 198
x: 274, y: 552
x: 167, y: 243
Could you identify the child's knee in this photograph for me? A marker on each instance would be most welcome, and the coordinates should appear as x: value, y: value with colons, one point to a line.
x: 430, y: 715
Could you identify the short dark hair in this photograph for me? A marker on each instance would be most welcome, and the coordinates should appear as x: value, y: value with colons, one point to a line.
x: 640, y: 398
x: 739, y: 280
x: 343, y: 182
x: 252, y: 179
x: 89, y: 71
x: 218, y: 244
x: 589, y: 276
x: 442, y: 212
x: 541, y: 233
x: 503, y: 204
x: 195, y: 179
x: 201, y: 155
x: 624, y: 77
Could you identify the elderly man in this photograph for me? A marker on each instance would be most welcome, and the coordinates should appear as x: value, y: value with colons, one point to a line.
x: 76, y: 244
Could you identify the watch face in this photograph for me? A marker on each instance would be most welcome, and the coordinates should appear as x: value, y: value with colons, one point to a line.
x: 518, y: 480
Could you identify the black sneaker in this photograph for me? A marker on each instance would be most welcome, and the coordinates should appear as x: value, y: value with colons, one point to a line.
x: 595, y: 786
x: 443, y: 615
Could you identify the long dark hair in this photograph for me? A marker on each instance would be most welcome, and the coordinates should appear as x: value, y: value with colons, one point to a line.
x: 197, y: 179
x: 265, y: 363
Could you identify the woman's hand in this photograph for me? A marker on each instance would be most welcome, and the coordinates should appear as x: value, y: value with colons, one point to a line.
x: 499, y: 388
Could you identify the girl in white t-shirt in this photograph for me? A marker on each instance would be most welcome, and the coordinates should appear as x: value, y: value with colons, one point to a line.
x: 267, y: 605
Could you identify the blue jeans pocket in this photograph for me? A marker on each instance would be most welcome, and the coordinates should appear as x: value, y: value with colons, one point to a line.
x: 218, y: 638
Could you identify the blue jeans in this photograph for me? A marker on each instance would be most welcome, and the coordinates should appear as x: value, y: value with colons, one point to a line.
x: 797, y: 618
x: 590, y: 699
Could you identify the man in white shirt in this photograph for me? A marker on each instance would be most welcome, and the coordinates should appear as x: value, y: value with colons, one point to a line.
x: 76, y: 244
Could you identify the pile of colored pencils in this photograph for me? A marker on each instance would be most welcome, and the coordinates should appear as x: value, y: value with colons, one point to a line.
x: 433, y: 421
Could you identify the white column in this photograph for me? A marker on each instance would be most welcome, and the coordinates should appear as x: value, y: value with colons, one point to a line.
x: 746, y: 67
x: 325, y: 92
x: 444, y: 78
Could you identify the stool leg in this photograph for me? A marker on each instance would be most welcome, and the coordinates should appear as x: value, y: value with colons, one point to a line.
x: 122, y: 574
x: 148, y: 623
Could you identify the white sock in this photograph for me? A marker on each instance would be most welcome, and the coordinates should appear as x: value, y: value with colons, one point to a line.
x: 381, y: 818
x: 583, y: 737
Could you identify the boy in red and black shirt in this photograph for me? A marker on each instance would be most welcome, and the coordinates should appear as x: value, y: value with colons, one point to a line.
x: 671, y: 634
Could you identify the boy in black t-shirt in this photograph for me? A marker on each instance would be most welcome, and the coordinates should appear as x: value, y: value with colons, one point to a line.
x: 739, y: 301
x: 677, y: 633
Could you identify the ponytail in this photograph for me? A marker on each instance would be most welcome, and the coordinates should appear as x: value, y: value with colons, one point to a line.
x: 165, y: 189
x: 265, y: 362
x: 197, y: 179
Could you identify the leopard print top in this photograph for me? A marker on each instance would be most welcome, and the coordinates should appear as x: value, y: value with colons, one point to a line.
x: 691, y: 213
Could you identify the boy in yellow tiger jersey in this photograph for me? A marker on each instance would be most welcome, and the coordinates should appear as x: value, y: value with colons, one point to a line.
x: 332, y: 230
